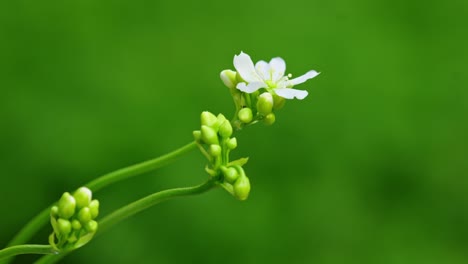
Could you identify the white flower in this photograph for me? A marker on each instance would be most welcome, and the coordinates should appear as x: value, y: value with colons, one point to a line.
x: 269, y: 76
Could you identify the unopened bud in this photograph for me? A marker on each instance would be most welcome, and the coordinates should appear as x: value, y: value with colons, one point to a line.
x: 215, y: 150
x: 229, y: 78
x: 76, y: 225
x: 265, y: 103
x: 225, y: 130
x: 91, y: 226
x: 64, y: 226
x: 209, y: 135
x: 66, y: 206
x: 208, y: 119
x: 84, y: 215
x: 82, y: 197
x: 245, y: 115
x: 197, y: 135
x: 230, y: 174
x: 232, y: 143
x: 94, y: 208
x: 269, y: 119
x: 242, y: 188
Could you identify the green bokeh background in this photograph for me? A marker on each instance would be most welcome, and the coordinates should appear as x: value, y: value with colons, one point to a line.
x: 370, y: 168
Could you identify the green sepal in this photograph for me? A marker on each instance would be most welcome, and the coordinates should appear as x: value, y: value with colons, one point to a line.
x: 239, y: 162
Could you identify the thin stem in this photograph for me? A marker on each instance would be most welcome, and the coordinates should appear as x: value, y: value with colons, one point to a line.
x: 26, y: 249
x: 136, y: 207
x: 43, y: 217
x: 151, y: 200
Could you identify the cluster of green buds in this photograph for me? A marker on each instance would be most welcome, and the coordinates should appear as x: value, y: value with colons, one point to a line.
x: 215, y: 142
x: 251, y: 107
x: 73, y: 220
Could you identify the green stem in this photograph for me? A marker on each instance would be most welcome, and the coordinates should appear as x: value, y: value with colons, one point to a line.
x: 136, y: 207
x: 26, y: 249
x: 43, y: 217
x: 151, y: 200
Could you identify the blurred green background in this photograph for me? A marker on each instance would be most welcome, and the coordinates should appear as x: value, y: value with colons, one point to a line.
x: 370, y: 168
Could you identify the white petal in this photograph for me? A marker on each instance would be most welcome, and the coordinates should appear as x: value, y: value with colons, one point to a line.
x: 303, y: 78
x: 289, y: 93
x: 251, y: 87
x: 278, y: 67
x: 263, y: 69
x: 245, y: 67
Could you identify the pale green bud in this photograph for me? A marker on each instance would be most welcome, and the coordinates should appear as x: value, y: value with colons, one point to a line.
x: 72, y: 239
x: 232, y: 143
x: 209, y: 135
x: 230, y: 174
x: 229, y: 78
x: 215, y: 150
x: 242, y: 188
x: 64, y: 226
x: 91, y: 226
x: 269, y: 119
x: 225, y: 130
x: 94, y: 208
x: 76, y: 225
x: 66, y: 206
x: 197, y: 135
x: 265, y: 103
x: 84, y: 215
x: 245, y: 115
x: 54, y: 211
x: 219, y: 121
x: 208, y: 119
x: 278, y: 102
x: 83, y: 197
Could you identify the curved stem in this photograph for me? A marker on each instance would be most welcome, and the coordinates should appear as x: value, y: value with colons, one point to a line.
x: 43, y: 217
x: 136, y: 207
x: 151, y: 200
x: 26, y: 249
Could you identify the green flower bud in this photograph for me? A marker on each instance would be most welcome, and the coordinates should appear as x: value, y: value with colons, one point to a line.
x: 91, y: 226
x: 242, y: 188
x: 72, y: 239
x: 84, y: 215
x: 230, y: 174
x: 64, y: 226
x: 269, y: 119
x: 215, y: 150
x: 245, y: 115
x: 225, y: 130
x: 82, y: 197
x: 208, y: 119
x: 94, y: 208
x: 219, y: 121
x: 229, y: 78
x: 278, y: 102
x: 209, y: 135
x: 197, y: 135
x: 232, y: 143
x: 76, y: 225
x: 66, y: 206
x: 221, y: 118
x: 54, y: 211
x: 265, y: 103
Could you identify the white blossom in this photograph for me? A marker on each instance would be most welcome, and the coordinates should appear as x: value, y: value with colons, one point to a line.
x: 269, y: 76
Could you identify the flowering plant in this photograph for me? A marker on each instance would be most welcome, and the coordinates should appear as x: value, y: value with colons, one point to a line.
x: 257, y: 91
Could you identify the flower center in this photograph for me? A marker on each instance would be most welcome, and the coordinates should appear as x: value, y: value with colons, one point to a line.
x: 271, y: 84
